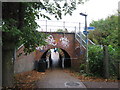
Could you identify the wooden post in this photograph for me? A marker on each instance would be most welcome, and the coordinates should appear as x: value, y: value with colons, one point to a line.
x: 118, y: 74
x: 118, y: 71
x: 106, y: 62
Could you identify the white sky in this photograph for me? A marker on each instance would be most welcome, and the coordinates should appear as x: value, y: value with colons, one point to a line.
x: 95, y: 9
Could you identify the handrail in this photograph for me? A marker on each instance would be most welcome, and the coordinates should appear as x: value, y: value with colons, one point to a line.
x: 80, y: 37
x: 80, y: 40
x: 91, y: 42
x: 81, y: 44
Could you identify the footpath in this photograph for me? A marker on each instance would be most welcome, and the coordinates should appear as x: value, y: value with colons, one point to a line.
x: 59, y: 79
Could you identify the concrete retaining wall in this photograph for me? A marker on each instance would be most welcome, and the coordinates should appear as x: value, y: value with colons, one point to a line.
x: 24, y: 63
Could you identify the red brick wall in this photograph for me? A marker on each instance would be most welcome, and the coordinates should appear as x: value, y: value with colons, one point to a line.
x: 69, y: 49
x: 80, y: 54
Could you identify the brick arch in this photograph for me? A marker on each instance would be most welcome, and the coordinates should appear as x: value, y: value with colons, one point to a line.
x: 57, y: 42
x: 64, y: 54
x: 39, y: 54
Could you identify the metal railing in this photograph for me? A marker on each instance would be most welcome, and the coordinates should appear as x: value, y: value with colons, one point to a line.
x: 81, y: 38
x: 54, y: 26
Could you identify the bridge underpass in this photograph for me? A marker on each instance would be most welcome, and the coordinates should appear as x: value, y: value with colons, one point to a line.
x: 71, y: 50
x: 67, y: 46
x: 63, y: 59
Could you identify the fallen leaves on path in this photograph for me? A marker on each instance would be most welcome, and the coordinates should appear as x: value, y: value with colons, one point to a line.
x: 88, y: 78
x: 28, y: 79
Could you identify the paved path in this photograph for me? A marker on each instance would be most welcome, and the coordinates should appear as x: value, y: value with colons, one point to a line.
x: 57, y: 78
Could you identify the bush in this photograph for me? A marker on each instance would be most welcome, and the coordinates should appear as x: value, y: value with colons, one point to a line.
x: 113, y: 57
x: 95, y: 60
x: 96, y: 57
x: 82, y: 68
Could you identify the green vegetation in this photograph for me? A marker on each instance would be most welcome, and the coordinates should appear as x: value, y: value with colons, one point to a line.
x: 61, y: 30
x: 96, y: 57
x: 113, y: 60
x: 95, y: 60
x: 106, y: 33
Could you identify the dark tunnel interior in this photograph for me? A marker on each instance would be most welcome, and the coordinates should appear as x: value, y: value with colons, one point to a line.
x: 67, y: 60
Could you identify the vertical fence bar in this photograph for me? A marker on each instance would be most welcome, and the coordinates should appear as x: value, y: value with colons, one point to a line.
x: 46, y: 25
x: 75, y: 30
x: 79, y: 27
x: 0, y: 46
x: 118, y: 75
x: 63, y: 25
x: 118, y: 71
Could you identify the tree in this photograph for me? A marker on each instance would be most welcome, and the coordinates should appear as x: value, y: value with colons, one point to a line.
x: 19, y: 27
x: 61, y: 30
x: 106, y: 32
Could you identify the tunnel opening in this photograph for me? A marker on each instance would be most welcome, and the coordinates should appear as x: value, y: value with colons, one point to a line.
x: 64, y: 60
x: 67, y: 59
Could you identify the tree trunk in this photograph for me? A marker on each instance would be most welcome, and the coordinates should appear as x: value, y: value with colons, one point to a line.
x: 7, y: 65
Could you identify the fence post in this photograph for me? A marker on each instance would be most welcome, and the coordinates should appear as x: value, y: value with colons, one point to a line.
x: 106, y: 62
x: 118, y: 71
x: 75, y: 30
x: 46, y: 25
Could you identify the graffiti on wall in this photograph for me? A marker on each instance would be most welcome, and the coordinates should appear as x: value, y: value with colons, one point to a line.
x: 51, y: 41
x: 64, y: 41
x: 41, y: 48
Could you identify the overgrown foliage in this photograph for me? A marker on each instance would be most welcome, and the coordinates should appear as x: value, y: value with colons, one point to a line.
x: 106, y: 32
x: 113, y: 60
x: 95, y: 60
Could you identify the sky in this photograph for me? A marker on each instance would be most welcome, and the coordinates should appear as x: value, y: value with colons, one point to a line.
x: 95, y: 10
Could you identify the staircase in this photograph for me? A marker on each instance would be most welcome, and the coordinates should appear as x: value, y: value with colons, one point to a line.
x: 81, y: 38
